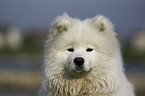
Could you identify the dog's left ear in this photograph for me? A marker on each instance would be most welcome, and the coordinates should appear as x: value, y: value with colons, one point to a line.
x: 60, y: 24
x: 102, y: 23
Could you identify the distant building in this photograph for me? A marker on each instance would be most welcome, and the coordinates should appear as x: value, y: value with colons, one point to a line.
x: 138, y: 41
x: 10, y: 37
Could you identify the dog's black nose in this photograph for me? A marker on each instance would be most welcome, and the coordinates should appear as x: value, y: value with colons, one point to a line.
x: 79, y: 61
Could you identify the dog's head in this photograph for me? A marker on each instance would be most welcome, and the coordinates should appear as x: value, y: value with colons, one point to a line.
x: 80, y: 46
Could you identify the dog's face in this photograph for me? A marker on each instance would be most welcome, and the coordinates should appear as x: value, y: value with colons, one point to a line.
x: 82, y: 45
x: 80, y: 58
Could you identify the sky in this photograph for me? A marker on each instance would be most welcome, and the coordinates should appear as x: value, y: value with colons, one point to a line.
x: 126, y: 15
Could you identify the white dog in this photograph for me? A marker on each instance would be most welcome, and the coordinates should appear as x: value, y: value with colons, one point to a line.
x: 82, y: 58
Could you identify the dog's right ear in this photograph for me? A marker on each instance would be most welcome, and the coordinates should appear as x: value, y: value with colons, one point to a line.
x: 60, y: 24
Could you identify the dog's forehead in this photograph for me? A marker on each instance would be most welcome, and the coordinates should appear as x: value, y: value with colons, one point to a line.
x: 82, y: 33
x: 82, y: 29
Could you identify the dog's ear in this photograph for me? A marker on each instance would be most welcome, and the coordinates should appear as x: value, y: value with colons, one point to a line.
x: 60, y: 24
x: 102, y: 23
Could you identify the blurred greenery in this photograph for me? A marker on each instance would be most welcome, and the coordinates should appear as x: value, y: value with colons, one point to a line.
x: 28, y: 47
x: 130, y: 54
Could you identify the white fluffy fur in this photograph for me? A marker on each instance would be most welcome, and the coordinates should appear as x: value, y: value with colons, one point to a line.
x: 104, y: 73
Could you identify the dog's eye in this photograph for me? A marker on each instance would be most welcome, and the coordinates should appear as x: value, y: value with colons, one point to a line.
x: 89, y: 50
x: 70, y: 50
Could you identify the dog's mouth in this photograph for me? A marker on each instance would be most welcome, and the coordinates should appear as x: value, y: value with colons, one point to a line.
x: 79, y: 69
x: 78, y: 72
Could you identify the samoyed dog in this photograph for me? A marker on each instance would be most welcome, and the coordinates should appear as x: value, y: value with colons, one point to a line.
x: 82, y: 58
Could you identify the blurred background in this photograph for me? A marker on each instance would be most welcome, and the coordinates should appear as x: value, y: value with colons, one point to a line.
x: 24, y: 28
